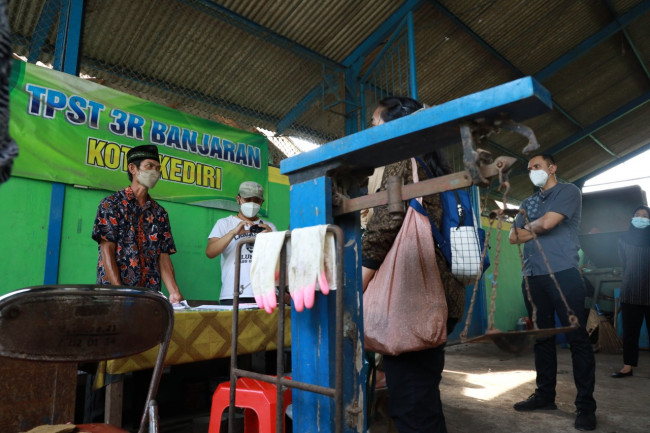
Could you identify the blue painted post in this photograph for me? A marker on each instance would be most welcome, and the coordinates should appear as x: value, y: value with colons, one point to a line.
x: 312, y: 331
x: 413, y: 78
x: 43, y: 27
x: 65, y: 59
x: 351, y: 94
x: 54, y: 234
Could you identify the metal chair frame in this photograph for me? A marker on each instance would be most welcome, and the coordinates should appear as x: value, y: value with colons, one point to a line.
x: 280, y: 380
x: 88, y: 323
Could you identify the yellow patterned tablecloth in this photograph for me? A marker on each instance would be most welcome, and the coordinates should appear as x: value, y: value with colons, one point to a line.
x: 206, y: 334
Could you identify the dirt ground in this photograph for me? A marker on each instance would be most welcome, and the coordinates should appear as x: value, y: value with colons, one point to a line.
x: 481, y: 383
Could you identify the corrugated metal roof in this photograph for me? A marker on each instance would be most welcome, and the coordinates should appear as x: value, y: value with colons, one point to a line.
x: 253, y: 62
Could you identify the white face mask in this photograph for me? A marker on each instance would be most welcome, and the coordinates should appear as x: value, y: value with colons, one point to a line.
x: 640, y: 222
x: 250, y: 209
x: 538, y: 177
x: 148, y: 178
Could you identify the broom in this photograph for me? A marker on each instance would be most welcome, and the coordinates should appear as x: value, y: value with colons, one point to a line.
x: 608, y: 340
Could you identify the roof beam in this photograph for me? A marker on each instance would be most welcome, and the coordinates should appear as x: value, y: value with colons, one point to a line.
x: 382, y: 32
x: 68, y: 40
x: 629, y: 40
x: 476, y: 37
x: 601, y: 123
x: 188, y: 93
x: 229, y: 17
x: 581, y: 181
x: 372, y: 41
x: 564, y: 60
x: 594, y: 40
x: 299, y: 108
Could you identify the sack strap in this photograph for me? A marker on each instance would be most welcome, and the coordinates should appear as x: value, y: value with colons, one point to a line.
x: 417, y: 206
x: 416, y: 179
x: 437, y: 236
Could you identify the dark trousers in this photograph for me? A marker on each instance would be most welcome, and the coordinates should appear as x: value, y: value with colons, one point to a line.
x: 413, y: 381
x: 632, y: 320
x: 548, y: 301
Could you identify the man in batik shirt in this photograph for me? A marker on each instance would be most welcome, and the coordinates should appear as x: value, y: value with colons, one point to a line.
x: 133, y: 233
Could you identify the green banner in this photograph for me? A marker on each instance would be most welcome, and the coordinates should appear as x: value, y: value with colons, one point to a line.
x: 75, y: 131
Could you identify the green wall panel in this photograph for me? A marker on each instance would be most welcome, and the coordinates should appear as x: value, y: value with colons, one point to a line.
x: 78, y: 259
x: 25, y: 210
x: 25, y: 206
x: 198, y: 277
x: 279, y: 205
x: 509, y: 303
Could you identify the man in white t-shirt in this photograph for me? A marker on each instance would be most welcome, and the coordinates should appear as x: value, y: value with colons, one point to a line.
x: 223, y: 240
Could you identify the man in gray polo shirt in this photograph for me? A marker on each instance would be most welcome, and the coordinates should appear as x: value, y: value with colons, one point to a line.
x: 554, y: 213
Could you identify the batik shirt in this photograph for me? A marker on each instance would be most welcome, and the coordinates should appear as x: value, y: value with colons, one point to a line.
x: 140, y: 235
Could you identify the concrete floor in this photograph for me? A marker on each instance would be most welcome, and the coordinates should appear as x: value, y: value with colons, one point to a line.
x: 481, y: 383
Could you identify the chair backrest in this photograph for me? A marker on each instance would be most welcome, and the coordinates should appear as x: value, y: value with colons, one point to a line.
x: 85, y: 323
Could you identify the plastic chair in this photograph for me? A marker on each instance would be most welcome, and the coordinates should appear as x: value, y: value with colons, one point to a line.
x: 259, y: 400
x: 81, y: 323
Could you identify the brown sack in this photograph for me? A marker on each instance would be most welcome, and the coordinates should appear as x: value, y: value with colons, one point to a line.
x: 404, y: 307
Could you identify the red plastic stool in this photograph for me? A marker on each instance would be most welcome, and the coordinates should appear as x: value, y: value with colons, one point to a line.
x: 258, y: 398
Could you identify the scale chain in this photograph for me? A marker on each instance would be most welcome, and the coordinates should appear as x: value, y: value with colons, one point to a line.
x: 499, y: 215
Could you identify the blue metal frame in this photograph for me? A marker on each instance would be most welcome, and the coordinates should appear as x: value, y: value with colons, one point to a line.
x: 476, y: 37
x: 353, y: 63
x: 389, y: 141
x: 351, y: 94
x: 311, y: 205
x: 628, y: 38
x: 619, y: 24
x: 300, y: 108
x: 65, y: 59
x: 601, y: 123
x: 612, y: 28
x: 387, y: 47
x: 57, y: 199
x: 382, y: 32
x: 413, y: 76
x: 311, y: 195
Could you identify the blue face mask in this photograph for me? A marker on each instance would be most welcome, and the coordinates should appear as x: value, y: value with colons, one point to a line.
x: 640, y: 222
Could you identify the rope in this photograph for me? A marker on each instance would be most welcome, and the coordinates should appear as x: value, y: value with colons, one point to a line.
x: 573, y: 319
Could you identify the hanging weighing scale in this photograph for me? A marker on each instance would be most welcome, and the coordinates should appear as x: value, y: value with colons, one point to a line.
x: 512, y: 341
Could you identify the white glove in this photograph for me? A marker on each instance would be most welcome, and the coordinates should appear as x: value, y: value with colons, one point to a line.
x: 312, y: 261
x: 265, y: 268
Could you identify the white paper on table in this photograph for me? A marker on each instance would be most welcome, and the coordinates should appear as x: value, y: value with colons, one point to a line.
x: 183, y: 305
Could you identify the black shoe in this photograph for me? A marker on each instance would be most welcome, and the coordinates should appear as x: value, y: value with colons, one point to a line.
x: 534, y: 402
x: 619, y: 374
x: 585, y: 420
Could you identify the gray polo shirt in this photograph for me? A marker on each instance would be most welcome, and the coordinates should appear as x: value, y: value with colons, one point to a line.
x: 561, y: 244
